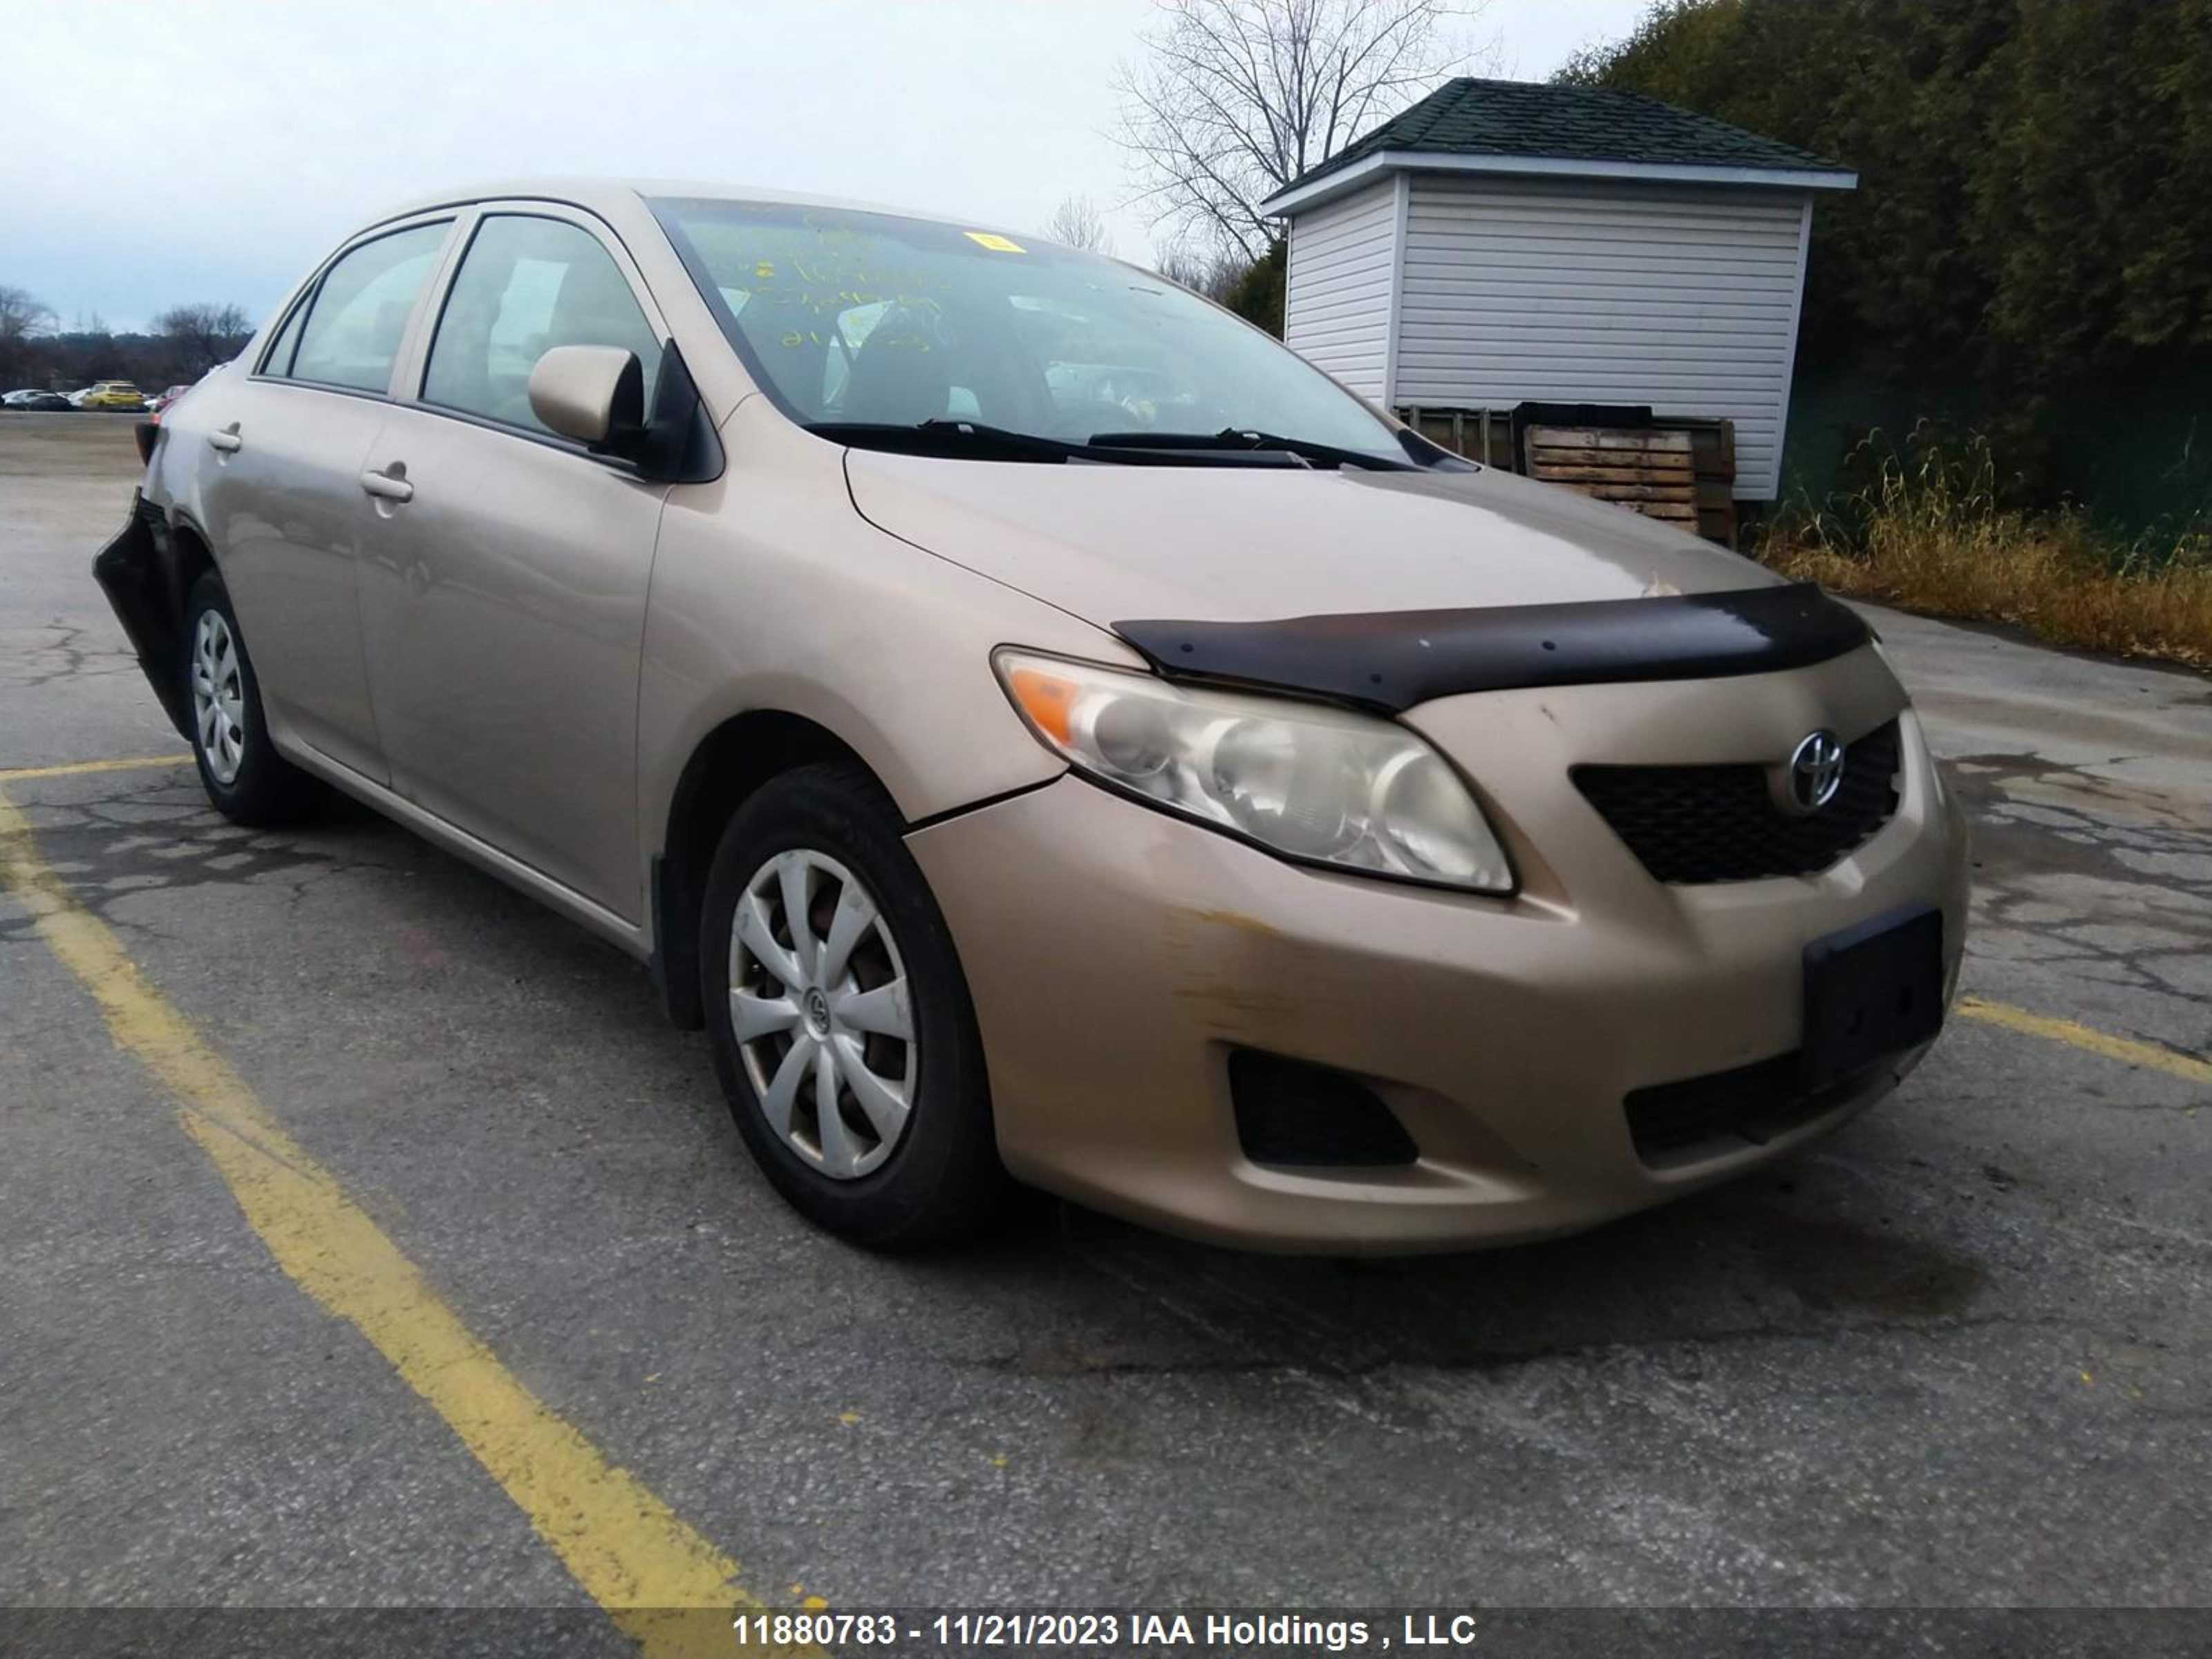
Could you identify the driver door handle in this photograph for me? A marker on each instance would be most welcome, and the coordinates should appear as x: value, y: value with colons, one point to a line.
x: 384, y: 485
x: 227, y: 440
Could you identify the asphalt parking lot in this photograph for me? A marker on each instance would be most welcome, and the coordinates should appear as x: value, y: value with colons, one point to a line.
x: 1955, y: 1355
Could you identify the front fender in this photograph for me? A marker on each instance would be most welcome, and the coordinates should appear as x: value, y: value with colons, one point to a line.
x: 771, y: 593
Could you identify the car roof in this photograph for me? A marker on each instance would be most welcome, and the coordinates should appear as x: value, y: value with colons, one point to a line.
x: 605, y: 196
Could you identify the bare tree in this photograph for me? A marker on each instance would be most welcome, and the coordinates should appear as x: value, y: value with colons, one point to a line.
x: 202, y: 336
x: 1078, y: 222
x: 22, y: 317
x: 1210, y: 271
x: 1233, y: 99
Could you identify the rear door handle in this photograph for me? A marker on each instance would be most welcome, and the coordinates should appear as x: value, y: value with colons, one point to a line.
x: 384, y: 485
x: 227, y: 440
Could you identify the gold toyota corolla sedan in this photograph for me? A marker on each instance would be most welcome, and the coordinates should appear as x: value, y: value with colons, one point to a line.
x: 1043, y: 728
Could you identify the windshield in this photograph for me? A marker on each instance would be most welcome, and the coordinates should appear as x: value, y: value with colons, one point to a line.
x: 850, y: 318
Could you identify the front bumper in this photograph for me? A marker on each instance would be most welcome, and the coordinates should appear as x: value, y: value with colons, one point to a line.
x: 1118, y: 955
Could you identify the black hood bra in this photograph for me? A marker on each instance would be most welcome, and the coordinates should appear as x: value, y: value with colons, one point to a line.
x: 1391, y: 660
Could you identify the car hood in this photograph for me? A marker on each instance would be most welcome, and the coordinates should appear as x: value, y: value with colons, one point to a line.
x: 1228, y: 544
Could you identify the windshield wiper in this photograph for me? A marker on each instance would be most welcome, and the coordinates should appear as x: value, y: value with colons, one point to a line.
x: 1235, y: 438
x: 945, y: 434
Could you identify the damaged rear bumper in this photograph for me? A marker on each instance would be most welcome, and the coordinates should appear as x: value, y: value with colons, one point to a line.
x: 137, y: 572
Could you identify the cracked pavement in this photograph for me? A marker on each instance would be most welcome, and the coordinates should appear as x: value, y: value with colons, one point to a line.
x: 1955, y: 1355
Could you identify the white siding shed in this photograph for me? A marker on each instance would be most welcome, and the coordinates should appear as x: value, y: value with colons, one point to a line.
x: 1438, y: 263
x: 1342, y: 268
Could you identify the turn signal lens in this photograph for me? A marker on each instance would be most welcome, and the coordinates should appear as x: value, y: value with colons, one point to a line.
x: 1315, y: 783
x: 1045, y: 698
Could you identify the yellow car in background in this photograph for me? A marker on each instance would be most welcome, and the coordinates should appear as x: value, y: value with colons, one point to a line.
x: 112, y: 394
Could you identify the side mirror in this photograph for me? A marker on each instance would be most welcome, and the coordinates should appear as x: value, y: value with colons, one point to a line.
x: 594, y: 394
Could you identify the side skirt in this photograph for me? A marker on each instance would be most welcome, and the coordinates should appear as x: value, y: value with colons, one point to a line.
x: 627, y: 937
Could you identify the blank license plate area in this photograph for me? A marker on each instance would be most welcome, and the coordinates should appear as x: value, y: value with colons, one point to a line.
x: 1871, y: 990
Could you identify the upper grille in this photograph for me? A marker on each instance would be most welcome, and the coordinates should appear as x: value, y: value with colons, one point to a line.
x: 1702, y: 823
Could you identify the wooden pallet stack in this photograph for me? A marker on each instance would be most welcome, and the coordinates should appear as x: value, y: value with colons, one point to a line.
x: 1649, y: 469
x: 1679, y: 469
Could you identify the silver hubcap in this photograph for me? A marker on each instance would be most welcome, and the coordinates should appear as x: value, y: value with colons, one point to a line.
x: 818, y: 1004
x: 218, y: 697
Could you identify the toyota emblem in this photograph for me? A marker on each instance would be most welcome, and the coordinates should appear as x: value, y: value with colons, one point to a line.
x: 1815, y: 773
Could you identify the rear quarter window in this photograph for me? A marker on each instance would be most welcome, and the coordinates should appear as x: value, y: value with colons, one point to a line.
x: 277, y: 360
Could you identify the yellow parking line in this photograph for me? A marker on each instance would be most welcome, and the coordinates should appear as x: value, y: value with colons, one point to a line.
x: 136, y: 763
x: 628, y: 1550
x: 661, y: 1582
x: 2087, y: 1038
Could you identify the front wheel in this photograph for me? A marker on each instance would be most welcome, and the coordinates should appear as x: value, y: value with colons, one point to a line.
x: 245, y: 777
x: 841, y: 1022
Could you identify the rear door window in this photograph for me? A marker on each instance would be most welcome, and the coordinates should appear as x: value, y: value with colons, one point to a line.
x: 358, y: 317
x: 278, y: 362
x: 526, y: 285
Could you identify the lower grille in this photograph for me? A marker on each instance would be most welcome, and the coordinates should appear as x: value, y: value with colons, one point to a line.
x: 1291, y: 1114
x: 1752, y: 1103
x: 1690, y: 824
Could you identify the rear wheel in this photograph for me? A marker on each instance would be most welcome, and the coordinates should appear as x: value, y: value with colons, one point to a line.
x: 245, y: 777
x: 842, y: 1027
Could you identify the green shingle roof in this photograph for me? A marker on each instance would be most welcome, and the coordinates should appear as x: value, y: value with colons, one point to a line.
x: 1536, y: 120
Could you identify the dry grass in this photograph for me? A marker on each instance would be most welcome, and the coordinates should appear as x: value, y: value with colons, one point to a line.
x: 1929, y: 536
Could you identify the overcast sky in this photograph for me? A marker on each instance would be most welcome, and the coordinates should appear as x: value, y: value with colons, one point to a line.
x: 170, y: 152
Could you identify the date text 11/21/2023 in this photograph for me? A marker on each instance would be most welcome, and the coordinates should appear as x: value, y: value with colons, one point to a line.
x: 1077, y: 1631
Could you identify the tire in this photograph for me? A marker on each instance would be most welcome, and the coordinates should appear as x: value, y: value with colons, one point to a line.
x: 262, y: 788
x: 938, y: 1176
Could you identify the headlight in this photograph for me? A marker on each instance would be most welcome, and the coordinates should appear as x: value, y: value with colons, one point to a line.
x: 1310, y: 782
